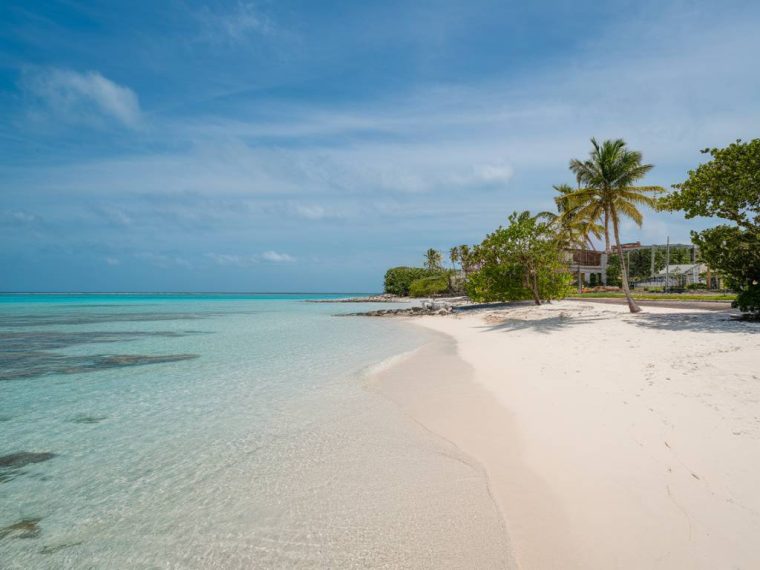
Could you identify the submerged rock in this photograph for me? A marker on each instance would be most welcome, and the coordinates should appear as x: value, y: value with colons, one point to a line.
x: 85, y: 419
x: 22, y: 458
x: 55, y: 548
x: 11, y: 464
x: 25, y: 528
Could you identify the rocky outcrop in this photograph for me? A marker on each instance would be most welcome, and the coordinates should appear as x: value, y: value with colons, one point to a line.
x: 384, y: 298
x: 425, y: 308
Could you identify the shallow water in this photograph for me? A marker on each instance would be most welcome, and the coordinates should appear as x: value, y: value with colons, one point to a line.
x: 220, y: 432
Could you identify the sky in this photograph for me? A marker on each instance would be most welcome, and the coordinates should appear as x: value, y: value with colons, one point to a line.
x: 308, y: 146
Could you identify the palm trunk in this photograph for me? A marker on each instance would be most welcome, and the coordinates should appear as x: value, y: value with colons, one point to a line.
x: 607, y: 249
x: 634, y: 308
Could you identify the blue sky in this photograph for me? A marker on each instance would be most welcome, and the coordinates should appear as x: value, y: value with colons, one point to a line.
x: 307, y: 146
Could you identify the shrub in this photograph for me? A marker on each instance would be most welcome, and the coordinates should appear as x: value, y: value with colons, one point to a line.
x: 399, y: 279
x: 428, y: 286
x: 592, y: 280
x: 748, y: 301
x: 519, y: 261
x: 694, y: 286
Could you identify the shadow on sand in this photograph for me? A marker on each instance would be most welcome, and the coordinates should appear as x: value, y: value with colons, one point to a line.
x: 696, y: 321
x: 546, y: 325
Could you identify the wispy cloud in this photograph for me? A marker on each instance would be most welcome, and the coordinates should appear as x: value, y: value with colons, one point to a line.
x: 233, y: 26
x: 235, y: 260
x: 276, y: 257
x: 88, y: 97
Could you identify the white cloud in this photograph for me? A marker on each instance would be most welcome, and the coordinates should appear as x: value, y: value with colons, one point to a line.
x: 83, y: 97
x: 229, y: 259
x: 112, y: 261
x: 275, y: 257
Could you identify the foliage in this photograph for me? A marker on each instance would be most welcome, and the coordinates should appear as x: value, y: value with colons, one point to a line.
x: 429, y: 286
x: 520, y: 261
x: 399, y: 279
x: 696, y: 286
x: 572, y: 227
x: 607, y: 178
x: 735, y: 253
x: 592, y: 280
x: 433, y: 260
x: 728, y: 187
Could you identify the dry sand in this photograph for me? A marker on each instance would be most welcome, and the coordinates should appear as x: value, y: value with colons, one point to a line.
x: 610, y: 440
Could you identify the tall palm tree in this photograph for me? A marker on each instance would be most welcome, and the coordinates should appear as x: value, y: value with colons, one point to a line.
x: 607, y: 191
x: 573, y: 229
x: 433, y: 259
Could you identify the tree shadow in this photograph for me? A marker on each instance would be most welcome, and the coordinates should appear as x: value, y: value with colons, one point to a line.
x: 717, y: 322
x: 545, y: 325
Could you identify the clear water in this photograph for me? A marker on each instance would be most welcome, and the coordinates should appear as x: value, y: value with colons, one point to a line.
x: 216, y: 431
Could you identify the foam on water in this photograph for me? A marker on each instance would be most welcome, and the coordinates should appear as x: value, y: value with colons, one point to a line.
x: 261, y: 449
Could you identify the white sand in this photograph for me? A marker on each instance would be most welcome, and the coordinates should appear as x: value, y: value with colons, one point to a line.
x: 610, y: 440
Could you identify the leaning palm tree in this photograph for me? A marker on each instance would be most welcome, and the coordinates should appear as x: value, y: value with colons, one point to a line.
x: 607, y: 191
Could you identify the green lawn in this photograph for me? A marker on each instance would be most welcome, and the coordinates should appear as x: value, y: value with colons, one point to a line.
x: 661, y: 296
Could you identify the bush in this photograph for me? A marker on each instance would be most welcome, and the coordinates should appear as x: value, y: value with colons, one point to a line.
x: 399, y: 279
x: 592, y: 280
x: 428, y: 286
x: 748, y: 301
x: 695, y: 286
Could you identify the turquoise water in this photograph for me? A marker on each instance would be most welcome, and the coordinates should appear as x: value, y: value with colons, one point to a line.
x: 217, y: 431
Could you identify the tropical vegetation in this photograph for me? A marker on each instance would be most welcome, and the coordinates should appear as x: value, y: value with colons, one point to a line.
x: 523, y: 260
x: 727, y: 187
x: 608, y: 192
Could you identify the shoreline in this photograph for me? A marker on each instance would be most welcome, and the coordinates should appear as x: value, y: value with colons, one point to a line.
x: 609, y: 439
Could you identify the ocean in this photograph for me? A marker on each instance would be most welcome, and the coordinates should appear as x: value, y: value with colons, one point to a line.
x: 221, y: 431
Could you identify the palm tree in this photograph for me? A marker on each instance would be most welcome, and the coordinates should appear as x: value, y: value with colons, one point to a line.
x: 454, y: 256
x: 573, y: 230
x: 607, y: 191
x: 433, y: 259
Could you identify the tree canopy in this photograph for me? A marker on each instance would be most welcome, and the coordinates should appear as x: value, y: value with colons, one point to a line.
x: 520, y: 261
x: 728, y: 187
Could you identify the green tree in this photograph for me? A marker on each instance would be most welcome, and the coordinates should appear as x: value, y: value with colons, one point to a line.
x: 433, y: 259
x: 727, y: 187
x: 520, y: 261
x: 607, y: 178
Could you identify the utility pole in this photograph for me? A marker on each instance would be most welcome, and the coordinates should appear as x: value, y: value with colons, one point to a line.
x: 651, y: 269
x: 667, y: 265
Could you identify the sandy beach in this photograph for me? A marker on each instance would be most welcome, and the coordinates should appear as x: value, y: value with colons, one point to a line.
x: 610, y: 440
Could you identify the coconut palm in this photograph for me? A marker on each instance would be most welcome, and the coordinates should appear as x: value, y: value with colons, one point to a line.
x: 454, y: 256
x: 433, y: 259
x: 573, y: 230
x: 607, y: 191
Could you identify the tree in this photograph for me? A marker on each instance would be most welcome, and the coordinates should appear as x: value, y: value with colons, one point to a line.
x: 727, y: 187
x: 573, y: 230
x: 454, y: 256
x: 433, y: 259
x: 607, y: 178
x: 520, y: 261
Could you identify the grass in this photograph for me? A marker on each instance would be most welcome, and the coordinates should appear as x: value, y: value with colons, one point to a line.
x: 660, y: 296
